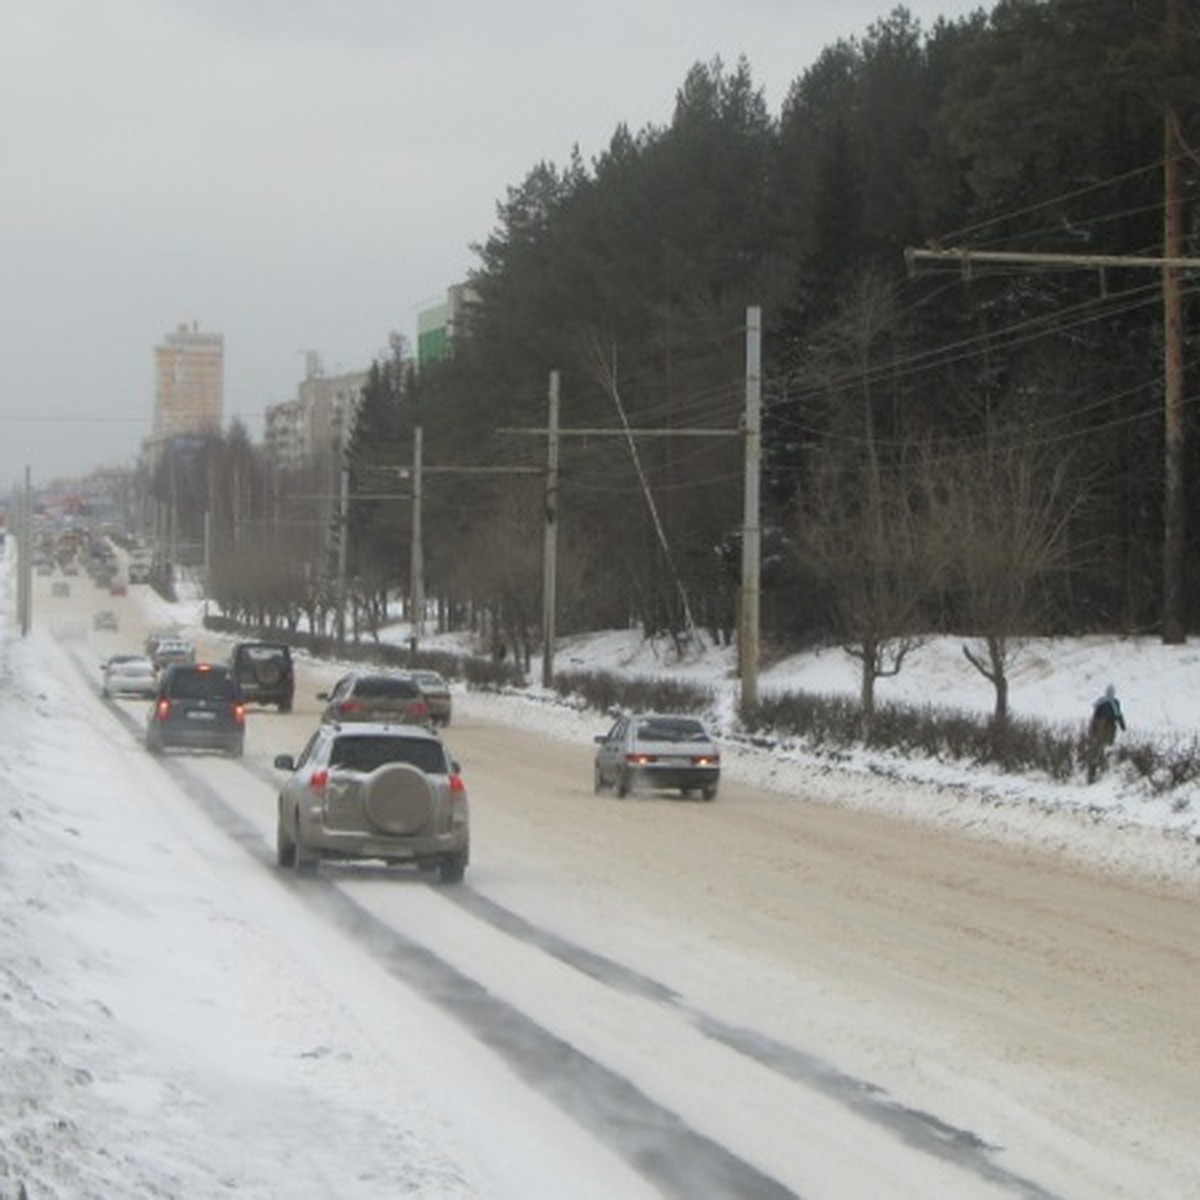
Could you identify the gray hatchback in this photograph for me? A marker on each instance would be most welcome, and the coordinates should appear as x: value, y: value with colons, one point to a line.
x: 366, y: 790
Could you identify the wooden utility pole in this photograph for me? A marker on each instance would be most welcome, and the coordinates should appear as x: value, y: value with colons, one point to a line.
x: 1173, y: 498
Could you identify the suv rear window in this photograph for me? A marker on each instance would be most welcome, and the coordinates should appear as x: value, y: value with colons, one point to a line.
x: 259, y: 654
x: 201, y: 685
x: 358, y: 753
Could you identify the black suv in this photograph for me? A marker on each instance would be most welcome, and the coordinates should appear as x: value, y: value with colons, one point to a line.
x: 197, y: 706
x: 264, y: 673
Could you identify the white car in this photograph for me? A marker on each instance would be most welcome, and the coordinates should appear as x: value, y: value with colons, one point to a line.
x: 129, y: 675
x: 172, y: 650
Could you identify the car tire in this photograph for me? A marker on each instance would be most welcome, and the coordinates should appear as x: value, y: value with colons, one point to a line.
x: 285, y: 848
x: 452, y: 868
x: 153, y: 744
x: 710, y: 792
x: 237, y: 749
x: 304, y: 864
x: 597, y: 781
x: 622, y: 784
x: 285, y: 706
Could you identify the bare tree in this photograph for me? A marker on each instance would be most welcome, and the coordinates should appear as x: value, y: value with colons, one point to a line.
x: 1007, y: 512
x: 865, y: 535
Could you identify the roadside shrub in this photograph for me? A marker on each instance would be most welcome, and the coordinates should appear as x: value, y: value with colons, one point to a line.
x: 605, y: 692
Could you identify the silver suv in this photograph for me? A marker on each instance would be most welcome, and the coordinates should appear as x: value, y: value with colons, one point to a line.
x: 368, y: 790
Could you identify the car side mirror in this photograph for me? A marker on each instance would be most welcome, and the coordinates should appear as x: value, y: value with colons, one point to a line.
x: 600, y: 739
x: 284, y: 762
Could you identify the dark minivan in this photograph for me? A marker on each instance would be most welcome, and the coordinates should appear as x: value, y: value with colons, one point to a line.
x: 198, y: 706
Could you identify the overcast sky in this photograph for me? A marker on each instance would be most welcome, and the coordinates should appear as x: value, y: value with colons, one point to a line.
x: 301, y: 174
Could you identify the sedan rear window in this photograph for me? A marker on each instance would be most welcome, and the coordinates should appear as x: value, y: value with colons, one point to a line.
x: 358, y: 753
x: 671, y: 729
x: 385, y: 688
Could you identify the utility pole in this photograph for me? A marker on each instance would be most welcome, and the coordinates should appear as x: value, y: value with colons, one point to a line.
x: 417, y: 555
x: 1169, y: 263
x: 25, y: 578
x: 748, y: 609
x: 1173, y: 499
x: 550, y: 540
x: 343, y: 538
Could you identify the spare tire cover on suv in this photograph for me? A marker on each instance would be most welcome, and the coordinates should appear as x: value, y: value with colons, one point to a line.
x: 398, y: 798
x: 268, y: 671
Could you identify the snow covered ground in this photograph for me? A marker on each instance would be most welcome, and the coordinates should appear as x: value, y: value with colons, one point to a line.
x: 151, y: 1043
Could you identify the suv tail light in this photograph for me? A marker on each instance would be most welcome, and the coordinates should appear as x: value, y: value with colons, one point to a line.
x: 458, y: 789
x: 317, y: 781
x: 162, y: 710
x: 239, y: 713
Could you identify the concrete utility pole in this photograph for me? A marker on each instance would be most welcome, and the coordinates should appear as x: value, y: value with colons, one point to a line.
x: 748, y: 612
x: 25, y: 563
x: 417, y: 553
x: 343, y: 538
x: 1170, y: 262
x: 550, y: 540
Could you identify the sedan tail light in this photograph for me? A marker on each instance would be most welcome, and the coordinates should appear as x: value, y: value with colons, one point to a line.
x: 640, y: 760
x: 346, y: 707
x: 707, y: 760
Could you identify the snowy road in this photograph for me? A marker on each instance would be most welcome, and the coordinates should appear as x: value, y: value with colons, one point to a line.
x: 765, y: 996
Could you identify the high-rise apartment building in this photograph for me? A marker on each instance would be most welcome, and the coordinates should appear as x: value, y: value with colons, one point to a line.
x: 189, y: 390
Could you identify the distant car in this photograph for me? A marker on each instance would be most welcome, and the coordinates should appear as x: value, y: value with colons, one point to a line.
x: 373, y: 791
x: 264, y: 673
x: 105, y: 619
x: 376, y: 696
x: 437, y: 695
x: 158, y: 635
x: 657, y: 750
x: 197, y: 706
x: 60, y: 587
x: 168, y: 651
x: 129, y: 675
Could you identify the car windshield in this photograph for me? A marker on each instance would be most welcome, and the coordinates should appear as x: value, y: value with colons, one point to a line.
x: 670, y: 729
x: 362, y: 753
x: 380, y: 687
x: 429, y: 679
x: 202, y: 685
